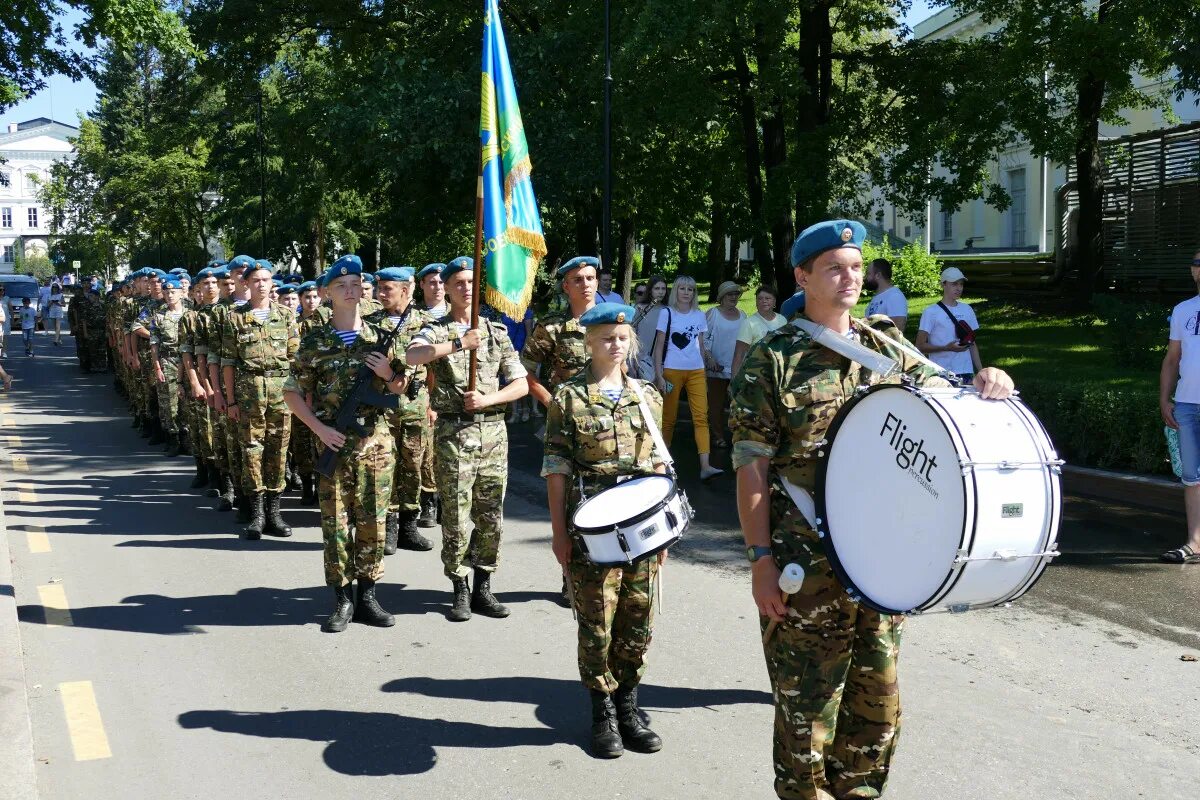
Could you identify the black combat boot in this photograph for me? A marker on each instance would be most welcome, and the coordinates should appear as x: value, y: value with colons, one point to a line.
x: 461, y: 610
x: 343, y: 610
x: 258, y: 519
x: 143, y: 426
x: 409, y: 537
x: 201, y: 479
x: 606, y: 742
x: 294, y: 481
x: 428, y: 518
x: 275, y: 524
x: 309, y: 497
x: 157, y: 434
x: 214, y: 478
x: 174, y: 446
x: 634, y: 733
x: 137, y: 421
x: 241, y: 501
x: 227, y: 494
x: 391, y: 533
x: 482, y: 599
x: 367, y: 610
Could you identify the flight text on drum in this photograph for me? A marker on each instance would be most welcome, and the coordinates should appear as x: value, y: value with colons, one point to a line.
x: 910, y: 452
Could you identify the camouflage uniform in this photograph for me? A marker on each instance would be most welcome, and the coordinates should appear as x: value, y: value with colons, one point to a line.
x: 130, y: 309
x: 92, y: 318
x: 149, y: 379
x: 260, y: 353
x: 201, y: 346
x: 471, y: 449
x: 409, y: 421
x: 200, y: 423
x: 234, y: 456
x: 590, y: 438
x: 304, y: 443
x: 832, y: 662
x: 164, y: 332
x: 357, y: 495
x: 557, y: 344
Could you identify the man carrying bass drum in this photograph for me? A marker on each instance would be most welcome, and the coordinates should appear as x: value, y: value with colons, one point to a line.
x: 595, y: 436
x: 835, y: 728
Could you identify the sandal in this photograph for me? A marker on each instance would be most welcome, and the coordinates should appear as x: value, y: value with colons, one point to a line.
x: 1180, y: 555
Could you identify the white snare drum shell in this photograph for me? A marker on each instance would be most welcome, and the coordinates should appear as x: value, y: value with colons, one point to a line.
x: 632, y: 520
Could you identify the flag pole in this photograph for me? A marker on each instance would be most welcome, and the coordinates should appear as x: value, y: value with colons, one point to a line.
x: 476, y: 283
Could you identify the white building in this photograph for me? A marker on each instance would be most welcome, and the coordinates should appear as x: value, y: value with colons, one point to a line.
x: 27, y: 150
x: 1028, y: 224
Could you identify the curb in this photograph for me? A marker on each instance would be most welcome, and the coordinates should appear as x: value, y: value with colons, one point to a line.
x: 17, y: 778
x: 1139, y: 491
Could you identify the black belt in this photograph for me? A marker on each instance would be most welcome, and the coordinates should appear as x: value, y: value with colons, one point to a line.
x: 471, y: 417
x: 268, y: 373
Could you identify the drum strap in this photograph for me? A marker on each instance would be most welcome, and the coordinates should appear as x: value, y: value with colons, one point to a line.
x: 803, y: 501
x: 876, y: 362
x: 911, y: 352
x: 652, y: 427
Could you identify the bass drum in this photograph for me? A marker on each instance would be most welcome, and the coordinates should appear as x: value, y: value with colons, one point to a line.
x: 937, y: 500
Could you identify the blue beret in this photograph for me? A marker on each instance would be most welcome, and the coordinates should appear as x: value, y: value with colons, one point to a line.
x: 207, y: 272
x: 171, y: 282
x: 829, y: 235
x: 322, y: 280
x: 264, y: 264
x: 286, y: 288
x: 607, y: 314
x: 369, y: 277
x: 430, y: 269
x: 307, y: 286
x: 793, y: 305
x: 240, y: 262
x: 276, y: 282
x: 178, y: 271
x: 295, y: 277
x: 216, y: 262
x: 395, y: 274
x: 158, y: 273
x: 458, y: 265
x: 576, y: 263
x: 221, y: 272
x: 346, y: 265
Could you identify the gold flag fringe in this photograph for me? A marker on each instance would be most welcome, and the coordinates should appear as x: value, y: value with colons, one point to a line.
x: 520, y: 171
x: 505, y: 305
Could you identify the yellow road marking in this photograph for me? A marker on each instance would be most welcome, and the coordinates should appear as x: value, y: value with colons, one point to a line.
x: 88, y: 738
x: 54, y: 604
x: 6, y: 408
x: 26, y: 495
x: 19, y: 464
x: 39, y: 542
x: 13, y: 440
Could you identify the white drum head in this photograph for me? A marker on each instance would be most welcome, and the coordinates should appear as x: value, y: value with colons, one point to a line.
x: 623, y: 502
x: 894, y: 500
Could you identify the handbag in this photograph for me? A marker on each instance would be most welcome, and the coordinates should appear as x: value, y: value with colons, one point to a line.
x: 963, y: 332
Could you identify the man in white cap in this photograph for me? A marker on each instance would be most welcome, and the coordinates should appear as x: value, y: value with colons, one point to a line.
x: 947, y: 330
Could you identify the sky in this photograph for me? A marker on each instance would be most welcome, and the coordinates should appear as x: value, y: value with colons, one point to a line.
x: 64, y: 100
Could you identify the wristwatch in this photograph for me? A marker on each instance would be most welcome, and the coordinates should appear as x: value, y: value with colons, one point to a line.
x: 755, y: 553
x: 458, y: 345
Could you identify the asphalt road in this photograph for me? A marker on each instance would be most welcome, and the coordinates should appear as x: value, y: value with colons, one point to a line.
x: 165, y: 658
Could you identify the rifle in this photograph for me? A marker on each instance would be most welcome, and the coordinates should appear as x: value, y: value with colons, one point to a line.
x: 361, y: 394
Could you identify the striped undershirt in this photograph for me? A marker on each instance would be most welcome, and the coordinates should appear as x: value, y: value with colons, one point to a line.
x: 613, y: 395
x: 348, y: 337
x: 261, y: 314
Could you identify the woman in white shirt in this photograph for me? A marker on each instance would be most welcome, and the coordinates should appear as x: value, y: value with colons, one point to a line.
x: 947, y: 330
x: 679, y: 359
x: 757, y: 325
x: 55, y: 311
x: 724, y: 321
x: 645, y: 325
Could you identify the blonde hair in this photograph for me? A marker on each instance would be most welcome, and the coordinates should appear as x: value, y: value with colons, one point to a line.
x: 673, y: 300
x: 592, y: 336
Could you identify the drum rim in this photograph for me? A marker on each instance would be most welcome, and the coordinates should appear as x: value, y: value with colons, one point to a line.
x: 835, y: 562
x: 642, y: 517
x: 624, y: 563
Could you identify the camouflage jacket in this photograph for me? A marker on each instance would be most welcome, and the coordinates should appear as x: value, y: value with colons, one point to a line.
x: 557, y: 343
x: 190, y: 329
x: 93, y: 315
x: 790, y: 388
x: 143, y: 311
x: 409, y: 410
x: 325, y: 369
x: 254, y: 347
x: 212, y: 329
x: 164, y: 331
x: 589, y: 436
x: 311, y: 323
x: 497, y: 360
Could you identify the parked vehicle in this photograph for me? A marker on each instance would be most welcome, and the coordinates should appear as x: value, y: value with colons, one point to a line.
x: 16, y: 288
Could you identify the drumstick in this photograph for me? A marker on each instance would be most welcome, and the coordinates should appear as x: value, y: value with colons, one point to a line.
x: 790, y: 581
x: 658, y: 586
x: 570, y: 593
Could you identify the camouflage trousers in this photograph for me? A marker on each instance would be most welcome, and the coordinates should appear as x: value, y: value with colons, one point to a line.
x: 95, y: 352
x: 168, y: 396
x: 220, y: 453
x: 354, y: 510
x: 410, y: 455
x: 832, y: 665
x: 614, y: 607
x: 137, y: 387
x: 428, y: 477
x: 472, y: 459
x: 304, y: 447
x: 200, y: 426
x: 265, y: 424
x: 234, y: 457
x: 149, y: 381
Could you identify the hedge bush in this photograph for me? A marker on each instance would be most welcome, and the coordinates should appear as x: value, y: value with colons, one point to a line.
x: 1097, y: 425
x: 914, y: 272
x: 1134, y: 331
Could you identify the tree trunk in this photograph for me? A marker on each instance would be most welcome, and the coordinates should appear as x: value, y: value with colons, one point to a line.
x: 625, y: 230
x: 586, y: 227
x: 647, y: 261
x: 715, y: 262
x: 1089, y: 166
x: 753, y: 160
x: 775, y: 167
x: 685, y: 255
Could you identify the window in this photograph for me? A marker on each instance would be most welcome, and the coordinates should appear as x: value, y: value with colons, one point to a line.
x: 1016, y: 213
x: 31, y: 183
x: 947, y: 224
x: 5, y: 217
x: 8, y: 254
x: 33, y: 220
x: 908, y: 232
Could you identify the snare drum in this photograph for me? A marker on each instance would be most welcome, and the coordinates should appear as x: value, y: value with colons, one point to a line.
x: 937, y: 500
x: 632, y: 520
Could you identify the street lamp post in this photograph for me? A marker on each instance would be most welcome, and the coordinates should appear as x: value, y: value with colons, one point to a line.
x: 262, y: 179
x: 606, y: 219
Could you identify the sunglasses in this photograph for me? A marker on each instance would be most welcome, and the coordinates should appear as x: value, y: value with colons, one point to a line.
x: 1196, y: 262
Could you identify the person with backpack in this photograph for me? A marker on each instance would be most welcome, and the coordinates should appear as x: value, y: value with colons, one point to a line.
x: 948, y: 329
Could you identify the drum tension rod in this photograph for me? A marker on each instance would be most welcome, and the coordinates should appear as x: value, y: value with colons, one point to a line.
x: 1054, y: 463
x: 963, y: 556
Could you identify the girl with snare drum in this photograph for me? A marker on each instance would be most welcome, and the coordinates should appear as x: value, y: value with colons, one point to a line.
x: 596, y: 438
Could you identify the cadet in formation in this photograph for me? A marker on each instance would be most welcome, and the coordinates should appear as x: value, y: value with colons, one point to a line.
x: 304, y: 449
x: 233, y: 493
x: 194, y: 378
x: 92, y: 329
x: 354, y: 501
x: 164, y: 352
x: 433, y: 297
x: 835, y: 727
x: 409, y: 421
x: 596, y: 436
x: 258, y: 340
x: 471, y: 438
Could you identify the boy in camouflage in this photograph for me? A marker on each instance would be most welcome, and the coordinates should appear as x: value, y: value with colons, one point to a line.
x: 195, y: 379
x: 164, y: 349
x: 596, y: 435
x: 835, y: 728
